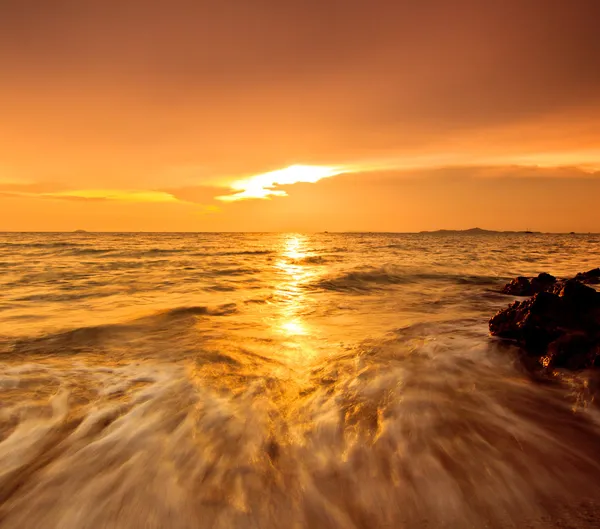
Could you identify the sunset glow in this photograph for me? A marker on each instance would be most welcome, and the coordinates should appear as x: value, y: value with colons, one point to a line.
x: 266, y: 185
x: 270, y: 118
x: 318, y: 264
x: 119, y: 195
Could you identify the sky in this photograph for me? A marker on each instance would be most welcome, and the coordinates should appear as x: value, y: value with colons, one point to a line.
x: 299, y: 115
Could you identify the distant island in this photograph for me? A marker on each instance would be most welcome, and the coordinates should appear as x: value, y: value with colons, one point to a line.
x: 474, y: 231
x: 80, y: 231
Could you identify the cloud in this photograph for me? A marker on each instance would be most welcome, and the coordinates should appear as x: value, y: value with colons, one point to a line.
x: 267, y: 185
x: 511, y: 198
x: 43, y: 190
x: 31, y: 187
x: 194, y: 194
x: 495, y: 197
x: 270, y: 84
x: 115, y: 195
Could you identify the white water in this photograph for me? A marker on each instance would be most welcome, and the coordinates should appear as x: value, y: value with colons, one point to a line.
x: 361, y: 393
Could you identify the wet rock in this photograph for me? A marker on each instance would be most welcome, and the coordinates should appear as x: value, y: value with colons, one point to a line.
x: 543, y: 282
x: 523, y: 286
x: 533, y: 322
x: 573, y: 351
x: 520, y: 286
x: 591, y: 276
x: 579, y: 298
x: 560, y: 327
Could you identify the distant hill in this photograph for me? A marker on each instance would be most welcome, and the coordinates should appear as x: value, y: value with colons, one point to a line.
x: 473, y: 231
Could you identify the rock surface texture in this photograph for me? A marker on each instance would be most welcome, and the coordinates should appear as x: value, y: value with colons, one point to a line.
x: 559, y: 325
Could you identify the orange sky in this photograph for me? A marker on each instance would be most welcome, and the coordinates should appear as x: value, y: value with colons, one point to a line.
x: 393, y: 116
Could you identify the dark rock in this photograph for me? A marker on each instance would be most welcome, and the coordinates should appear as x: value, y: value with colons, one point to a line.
x: 533, y: 322
x: 543, y: 282
x: 591, y: 276
x: 579, y: 297
x: 522, y: 286
x: 560, y: 327
x: 573, y: 351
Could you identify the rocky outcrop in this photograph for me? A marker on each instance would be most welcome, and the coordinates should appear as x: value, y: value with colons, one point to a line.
x: 528, y: 286
x: 590, y: 277
x: 523, y: 286
x: 559, y: 325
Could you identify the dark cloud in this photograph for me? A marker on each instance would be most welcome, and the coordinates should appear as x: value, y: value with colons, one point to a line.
x: 380, y: 72
x: 132, y: 95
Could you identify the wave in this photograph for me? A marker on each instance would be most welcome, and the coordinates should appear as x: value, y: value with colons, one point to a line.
x: 377, y: 278
x: 157, y: 252
x: 92, y: 251
x: 120, y: 253
x: 56, y: 244
x: 114, y: 262
x: 220, y: 288
x: 312, y: 259
x: 384, y: 440
x: 259, y: 301
x: 67, y: 296
x: 360, y: 281
x: 178, y: 312
x: 235, y: 252
x: 83, y: 339
x: 237, y: 271
x: 403, y: 246
x: 163, y: 251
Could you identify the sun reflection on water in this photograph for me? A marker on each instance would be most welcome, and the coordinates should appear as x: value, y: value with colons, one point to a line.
x: 293, y: 327
x: 290, y: 289
x: 294, y: 247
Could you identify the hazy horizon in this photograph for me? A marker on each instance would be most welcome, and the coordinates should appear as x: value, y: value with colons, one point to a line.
x: 332, y: 232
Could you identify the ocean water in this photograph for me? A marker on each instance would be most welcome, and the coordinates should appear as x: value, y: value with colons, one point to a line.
x: 284, y: 381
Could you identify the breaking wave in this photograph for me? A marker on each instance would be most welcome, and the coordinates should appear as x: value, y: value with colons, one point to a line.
x: 372, y: 279
x: 145, y: 327
x: 227, y: 438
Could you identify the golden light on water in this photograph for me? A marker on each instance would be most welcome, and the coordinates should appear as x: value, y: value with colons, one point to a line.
x: 265, y: 185
x: 293, y: 327
x: 294, y: 275
x: 294, y: 248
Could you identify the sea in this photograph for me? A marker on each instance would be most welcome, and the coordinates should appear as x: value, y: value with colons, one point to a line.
x: 285, y: 380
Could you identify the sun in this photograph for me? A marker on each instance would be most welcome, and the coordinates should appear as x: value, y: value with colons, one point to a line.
x: 264, y: 185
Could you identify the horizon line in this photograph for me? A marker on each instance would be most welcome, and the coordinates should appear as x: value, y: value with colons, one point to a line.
x: 342, y: 232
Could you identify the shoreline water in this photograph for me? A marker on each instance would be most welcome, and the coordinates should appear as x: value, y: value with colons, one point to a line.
x: 319, y: 381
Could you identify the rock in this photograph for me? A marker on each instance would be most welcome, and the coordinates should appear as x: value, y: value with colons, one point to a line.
x: 579, y: 297
x: 533, y: 322
x: 573, y: 351
x: 522, y: 286
x: 560, y: 327
x: 528, y: 286
x: 591, y: 276
x: 543, y: 282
